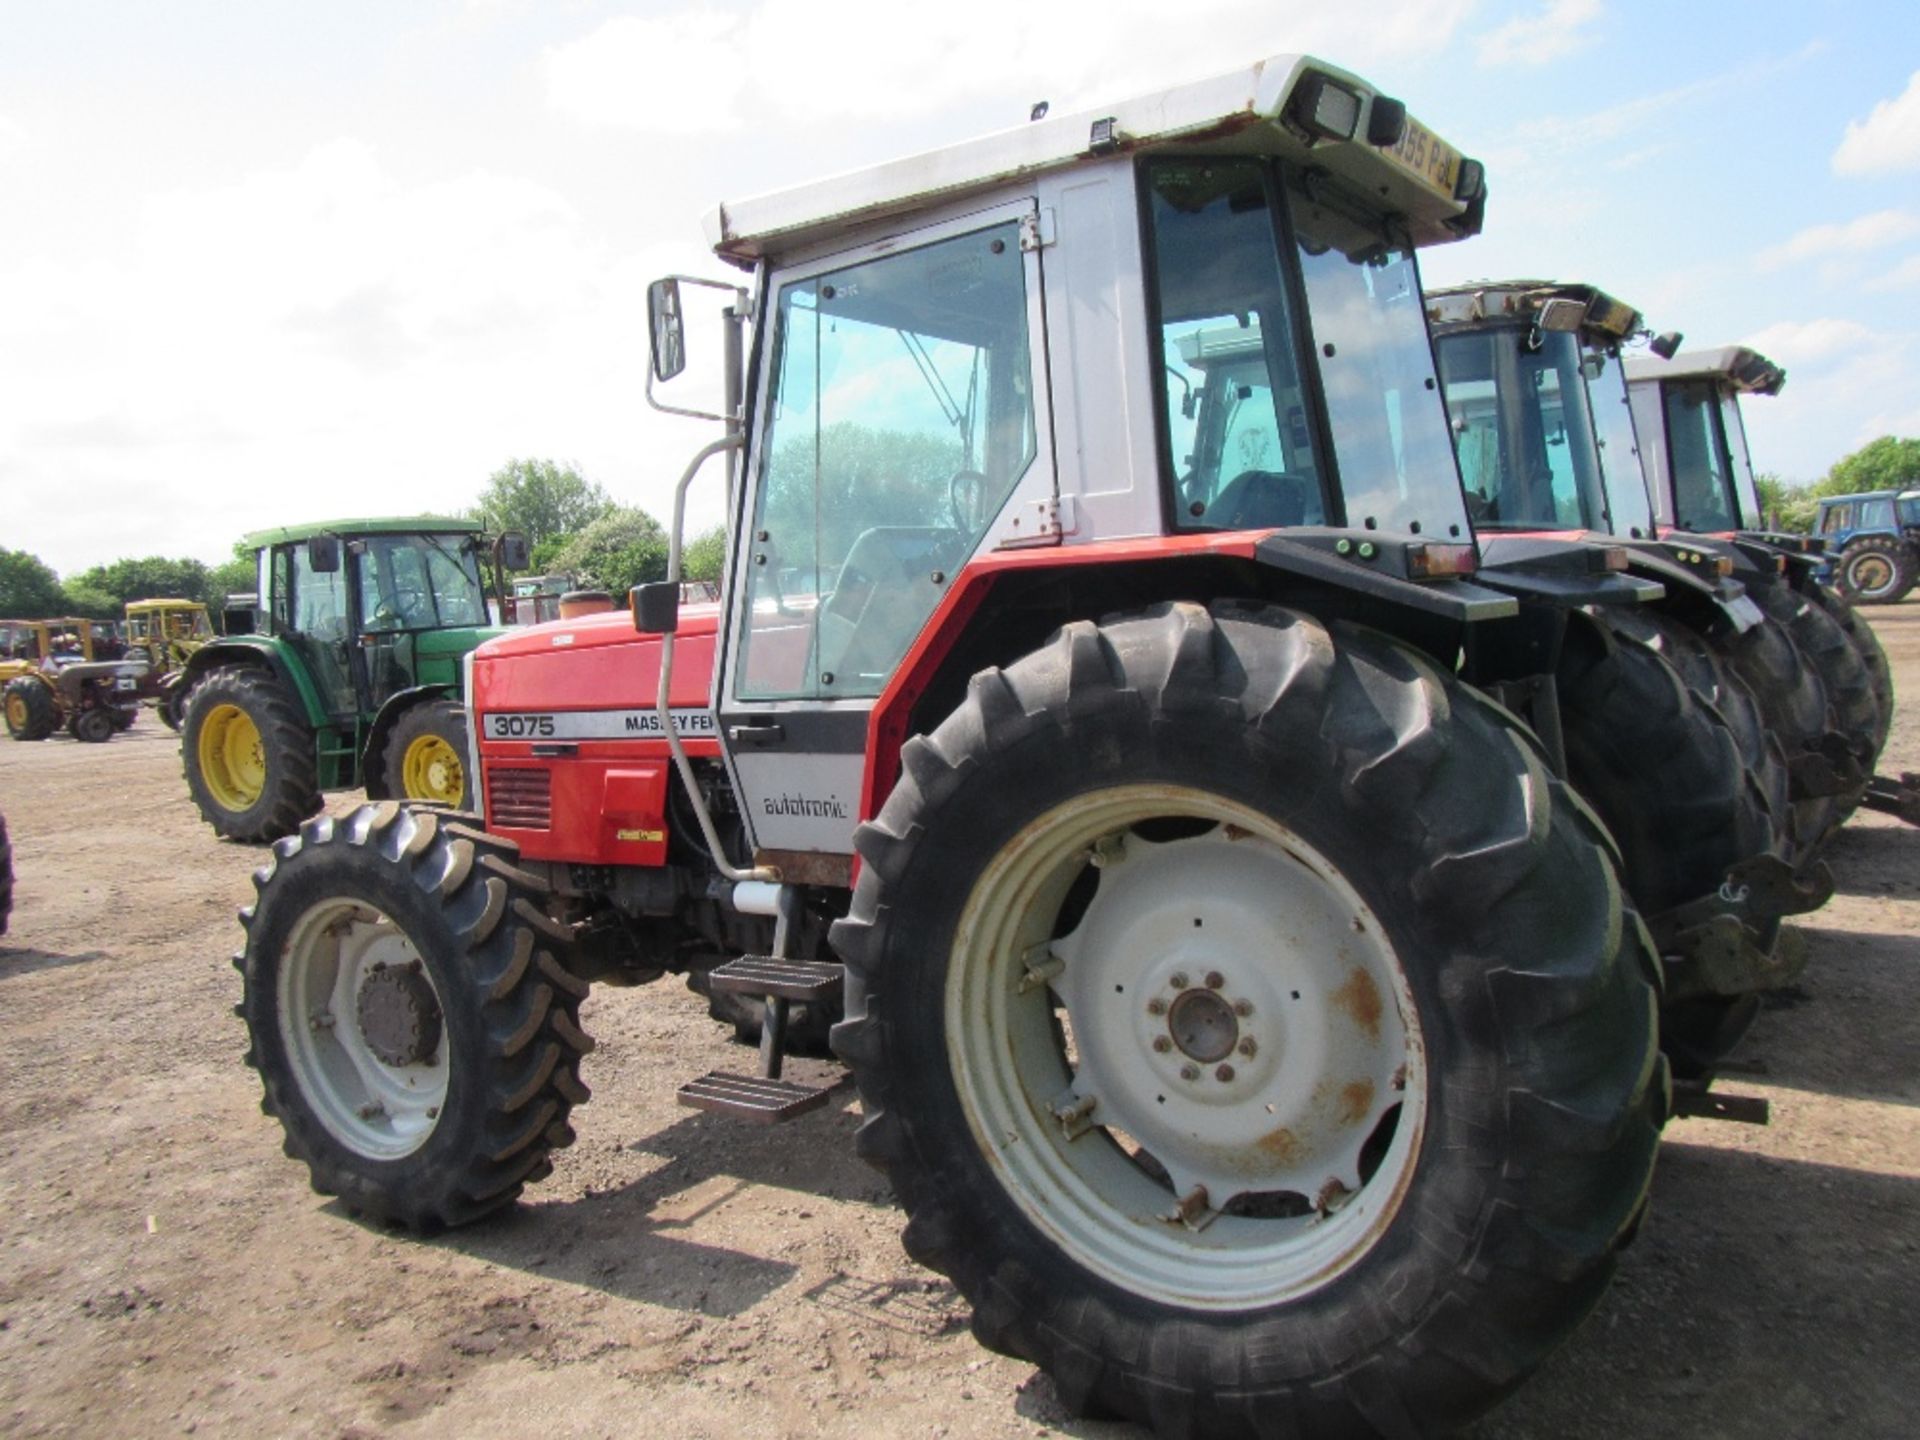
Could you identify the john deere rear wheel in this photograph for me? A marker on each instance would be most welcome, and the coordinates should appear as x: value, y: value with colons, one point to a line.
x: 426, y: 755
x: 248, y: 756
x: 31, y: 713
x: 1250, y: 1026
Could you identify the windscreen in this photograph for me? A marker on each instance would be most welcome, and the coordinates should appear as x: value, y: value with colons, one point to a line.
x: 1629, y: 508
x: 418, y: 582
x: 1517, y: 400
x: 1703, y: 494
x: 1385, y: 414
x: 1239, y: 444
x: 1746, y: 490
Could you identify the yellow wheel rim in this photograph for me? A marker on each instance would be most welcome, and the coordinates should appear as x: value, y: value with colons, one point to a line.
x: 17, y: 712
x: 233, y: 762
x: 431, y: 770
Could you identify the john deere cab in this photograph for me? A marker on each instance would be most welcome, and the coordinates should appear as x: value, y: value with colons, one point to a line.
x: 352, y: 676
x: 1243, y: 1009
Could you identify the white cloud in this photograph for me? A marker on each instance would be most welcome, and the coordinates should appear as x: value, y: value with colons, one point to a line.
x: 1800, y: 342
x: 1820, y: 242
x: 13, y: 139
x: 791, y: 62
x: 1906, y: 273
x: 1556, y: 31
x: 1888, y: 140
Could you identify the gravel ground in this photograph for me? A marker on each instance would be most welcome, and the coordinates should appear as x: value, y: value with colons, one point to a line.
x: 164, y: 1270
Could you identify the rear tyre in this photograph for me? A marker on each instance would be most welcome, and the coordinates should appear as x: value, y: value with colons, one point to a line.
x: 6, y: 875
x: 1245, y: 836
x: 1842, y: 671
x: 31, y: 714
x: 1872, y: 654
x: 1794, y: 703
x: 1876, y: 570
x: 1661, y: 769
x: 248, y: 756
x: 426, y: 756
x: 414, y: 1025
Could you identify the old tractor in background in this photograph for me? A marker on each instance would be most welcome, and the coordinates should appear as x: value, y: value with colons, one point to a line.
x: 1872, y: 544
x: 67, y: 673
x: 1244, y: 1010
x: 352, y: 676
x: 164, y: 633
x: 536, y: 598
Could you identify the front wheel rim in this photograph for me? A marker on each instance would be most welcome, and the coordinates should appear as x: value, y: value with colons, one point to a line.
x: 1209, y: 1087
x: 363, y: 1028
x: 431, y: 770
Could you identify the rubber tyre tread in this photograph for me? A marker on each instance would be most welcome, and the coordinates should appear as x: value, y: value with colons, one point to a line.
x: 292, y: 789
x: 506, y: 1105
x: 1793, y: 700
x: 1872, y: 654
x: 1536, y: 990
x: 446, y: 719
x: 1663, y: 770
x: 1898, y: 554
x: 6, y: 875
x: 1854, y: 712
x: 43, y: 715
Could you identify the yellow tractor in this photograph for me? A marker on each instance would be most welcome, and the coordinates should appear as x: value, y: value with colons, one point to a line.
x: 164, y: 634
x: 66, y: 672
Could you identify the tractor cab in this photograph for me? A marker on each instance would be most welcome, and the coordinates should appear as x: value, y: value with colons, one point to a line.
x: 167, y: 631
x: 1687, y: 412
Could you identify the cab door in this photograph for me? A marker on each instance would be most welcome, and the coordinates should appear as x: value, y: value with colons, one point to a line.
x: 901, y: 413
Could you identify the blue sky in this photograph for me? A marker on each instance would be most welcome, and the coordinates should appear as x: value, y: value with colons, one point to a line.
x: 272, y: 262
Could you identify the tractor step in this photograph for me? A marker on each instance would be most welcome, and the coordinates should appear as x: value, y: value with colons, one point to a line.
x: 1895, y: 795
x: 778, y: 979
x: 754, y: 1097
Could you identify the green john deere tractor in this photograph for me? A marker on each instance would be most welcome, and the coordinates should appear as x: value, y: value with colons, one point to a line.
x: 352, y: 676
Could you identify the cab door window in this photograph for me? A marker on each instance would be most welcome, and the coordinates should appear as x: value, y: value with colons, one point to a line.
x: 900, y: 417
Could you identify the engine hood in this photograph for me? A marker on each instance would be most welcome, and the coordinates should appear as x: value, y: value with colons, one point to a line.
x: 592, y: 632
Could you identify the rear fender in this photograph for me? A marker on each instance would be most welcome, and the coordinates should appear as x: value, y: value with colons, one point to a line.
x: 1007, y: 602
x: 373, y: 758
x: 269, y: 652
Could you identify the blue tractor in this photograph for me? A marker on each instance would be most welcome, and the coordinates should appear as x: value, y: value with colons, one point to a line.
x: 1873, y: 544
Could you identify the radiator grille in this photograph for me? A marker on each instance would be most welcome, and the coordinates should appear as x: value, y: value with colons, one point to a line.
x: 519, y: 799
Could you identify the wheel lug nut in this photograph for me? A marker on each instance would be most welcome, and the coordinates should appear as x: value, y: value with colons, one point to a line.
x: 1224, y: 1073
x: 1243, y: 1008
x: 1178, y: 980
x: 1156, y: 1006
x: 1189, y: 1072
x: 1249, y: 1047
x: 1215, y: 980
x: 1162, y: 1044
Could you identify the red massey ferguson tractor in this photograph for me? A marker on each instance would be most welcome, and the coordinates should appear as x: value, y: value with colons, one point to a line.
x: 1244, y: 1010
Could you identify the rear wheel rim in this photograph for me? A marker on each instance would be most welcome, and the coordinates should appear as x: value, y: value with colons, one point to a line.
x: 1871, y: 574
x: 1150, y: 1015
x: 431, y: 770
x: 17, y: 712
x: 233, y: 759
x: 379, y: 1107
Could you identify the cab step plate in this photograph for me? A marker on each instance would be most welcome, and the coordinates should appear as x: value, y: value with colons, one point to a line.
x: 781, y: 979
x: 752, y: 1097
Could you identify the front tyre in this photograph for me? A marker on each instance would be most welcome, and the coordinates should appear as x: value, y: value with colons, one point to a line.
x: 415, y: 1028
x: 31, y: 713
x: 1251, y: 1027
x: 426, y: 757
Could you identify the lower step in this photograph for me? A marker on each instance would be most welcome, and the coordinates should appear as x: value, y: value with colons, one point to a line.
x: 755, y: 1098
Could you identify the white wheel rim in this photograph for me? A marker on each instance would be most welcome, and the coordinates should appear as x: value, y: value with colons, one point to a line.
x: 1292, y: 1160
x: 378, y: 1109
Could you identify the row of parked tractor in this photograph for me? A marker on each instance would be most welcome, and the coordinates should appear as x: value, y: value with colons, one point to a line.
x: 1264, y: 822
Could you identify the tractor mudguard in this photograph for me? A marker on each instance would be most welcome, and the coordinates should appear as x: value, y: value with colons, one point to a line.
x: 1687, y: 587
x: 372, y: 756
x: 268, y: 651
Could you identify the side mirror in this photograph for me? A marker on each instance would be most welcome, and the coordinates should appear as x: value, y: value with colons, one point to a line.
x: 663, y: 318
x: 323, y: 554
x: 1666, y: 346
x: 515, y: 553
x: 656, y: 607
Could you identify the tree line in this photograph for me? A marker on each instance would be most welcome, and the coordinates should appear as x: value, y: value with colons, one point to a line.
x: 573, y: 526
x: 1883, y: 464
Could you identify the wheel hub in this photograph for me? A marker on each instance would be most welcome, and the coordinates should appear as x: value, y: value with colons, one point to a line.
x: 399, y: 1018
x: 1203, y: 1026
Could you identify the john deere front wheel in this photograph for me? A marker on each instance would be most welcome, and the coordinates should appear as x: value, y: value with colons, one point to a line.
x: 426, y: 755
x: 1215, y: 974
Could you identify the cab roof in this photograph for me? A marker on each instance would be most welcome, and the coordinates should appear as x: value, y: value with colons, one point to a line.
x: 392, y: 525
x: 1607, y: 318
x: 1747, y: 371
x: 1255, y: 111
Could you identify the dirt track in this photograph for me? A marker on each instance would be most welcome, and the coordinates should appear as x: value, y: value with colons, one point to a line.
x: 164, y: 1270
